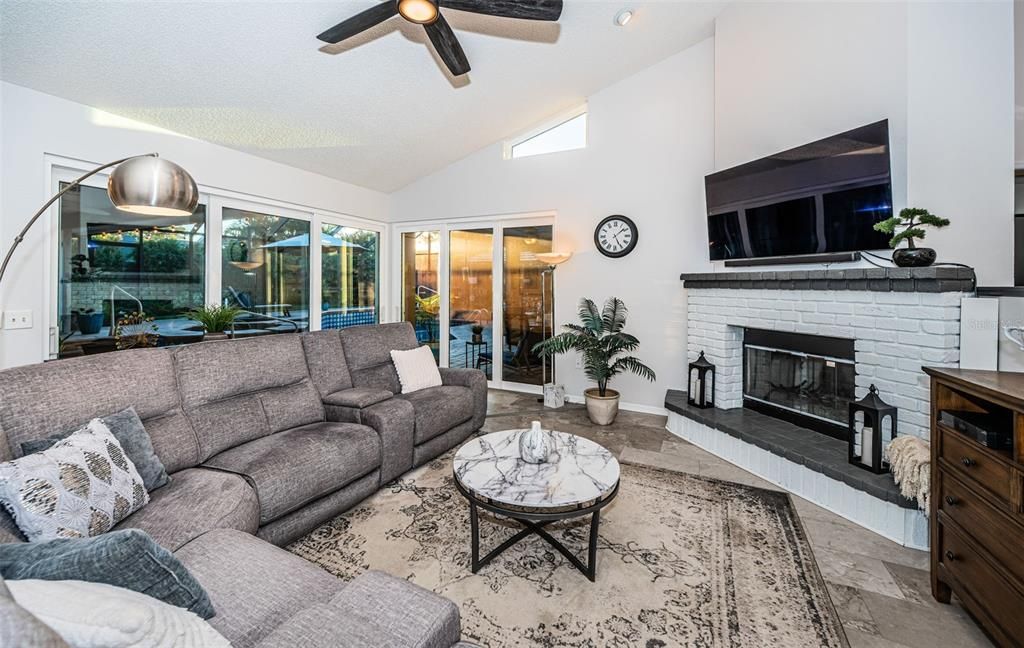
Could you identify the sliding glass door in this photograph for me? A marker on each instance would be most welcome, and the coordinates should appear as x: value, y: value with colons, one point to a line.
x: 265, y: 270
x: 471, y: 298
x: 114, y: 263
x: 527, y: 302
x: 474, y: 294
x: 421, y: 289
x: 350, y: 274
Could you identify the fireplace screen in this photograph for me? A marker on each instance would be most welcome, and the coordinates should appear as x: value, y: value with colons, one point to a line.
x: 820, y: 387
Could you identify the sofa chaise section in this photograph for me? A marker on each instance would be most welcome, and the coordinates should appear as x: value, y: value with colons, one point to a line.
x: 267, y: 597
x: 257, y: 414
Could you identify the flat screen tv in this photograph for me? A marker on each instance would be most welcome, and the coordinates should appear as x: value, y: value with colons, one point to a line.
x: 819, y: 198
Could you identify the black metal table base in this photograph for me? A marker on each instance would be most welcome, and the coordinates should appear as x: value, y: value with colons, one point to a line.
x: 534, y: 523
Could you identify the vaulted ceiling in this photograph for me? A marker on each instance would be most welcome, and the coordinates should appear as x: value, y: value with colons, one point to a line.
x: 379, y: 110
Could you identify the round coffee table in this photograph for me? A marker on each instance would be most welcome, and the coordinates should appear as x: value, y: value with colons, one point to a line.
x: 580, y: 478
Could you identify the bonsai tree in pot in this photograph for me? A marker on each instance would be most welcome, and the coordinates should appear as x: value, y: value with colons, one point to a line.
x: 911, y: 223
x: 215, y: 319
x: 601, y: 340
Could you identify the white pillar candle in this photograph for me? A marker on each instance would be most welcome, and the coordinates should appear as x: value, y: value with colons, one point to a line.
x: 866, y: 443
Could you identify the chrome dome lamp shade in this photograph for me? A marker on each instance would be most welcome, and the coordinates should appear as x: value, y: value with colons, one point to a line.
x: 152, y: 186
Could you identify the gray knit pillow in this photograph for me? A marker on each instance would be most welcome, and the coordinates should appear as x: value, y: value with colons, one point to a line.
x: 131, y: 434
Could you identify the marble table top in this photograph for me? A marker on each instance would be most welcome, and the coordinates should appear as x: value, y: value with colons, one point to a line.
x: 579, y: 472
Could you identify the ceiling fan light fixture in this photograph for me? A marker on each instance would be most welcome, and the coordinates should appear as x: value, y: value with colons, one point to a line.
x: 421, y: 12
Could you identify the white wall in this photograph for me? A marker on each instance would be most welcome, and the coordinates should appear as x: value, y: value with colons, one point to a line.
x: 650, y: 146
x: 1018, y: 57
x: 33, y: 124
x: 941, y: 72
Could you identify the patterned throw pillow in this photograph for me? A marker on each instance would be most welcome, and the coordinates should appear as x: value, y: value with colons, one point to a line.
x: 80, y: 487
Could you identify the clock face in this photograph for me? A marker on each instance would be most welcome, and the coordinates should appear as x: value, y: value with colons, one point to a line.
x: 615, y: 236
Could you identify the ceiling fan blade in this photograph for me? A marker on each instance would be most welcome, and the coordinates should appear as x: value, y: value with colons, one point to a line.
x: 527, y: 9
x: 447, y: 46
x: 360, y: 22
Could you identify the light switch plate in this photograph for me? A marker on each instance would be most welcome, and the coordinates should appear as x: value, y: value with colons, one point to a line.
x: 18, y: 319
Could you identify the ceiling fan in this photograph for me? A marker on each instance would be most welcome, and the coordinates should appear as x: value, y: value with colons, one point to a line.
x: 428, y: 14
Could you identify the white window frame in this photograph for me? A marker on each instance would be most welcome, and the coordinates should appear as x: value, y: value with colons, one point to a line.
x: 63, y: 169
x: 547, y: 125
x: 497, y: 225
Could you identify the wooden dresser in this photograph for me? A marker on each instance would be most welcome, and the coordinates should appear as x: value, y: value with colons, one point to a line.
x: 977, y: 502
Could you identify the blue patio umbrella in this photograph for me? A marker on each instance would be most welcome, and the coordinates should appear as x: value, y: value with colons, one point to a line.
x: 302, y: 240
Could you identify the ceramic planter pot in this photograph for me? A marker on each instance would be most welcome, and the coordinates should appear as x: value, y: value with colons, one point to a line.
x: 213, y: 337
x: 913, y: 257
x: 602, y: 409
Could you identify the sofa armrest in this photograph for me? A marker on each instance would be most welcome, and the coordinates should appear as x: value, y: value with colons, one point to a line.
x: 393, y: 421
x: 358, y: 397
x: 476, y: 381
x: 374, y: 609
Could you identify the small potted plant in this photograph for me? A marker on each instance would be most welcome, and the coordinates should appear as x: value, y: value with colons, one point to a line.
x: 89, y: 321
x: 215, y: 319
x: 602, y: 342
x: 911, y: 223
x: 478, y: 333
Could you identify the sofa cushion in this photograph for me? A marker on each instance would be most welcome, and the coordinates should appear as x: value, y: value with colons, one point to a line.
x: 374, y: 609
x: 196, y: 501
x: 42, y: 399
x: 358, y: 397
x: 254, y: 586
x: 326, y: 361
x: 295, y: 467
x: 438, y: 409
x: 368, y: 353
x: 240, y: 390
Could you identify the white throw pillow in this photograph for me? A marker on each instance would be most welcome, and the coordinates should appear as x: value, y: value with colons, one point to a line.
x: 416, y: 369
x: 80, y: 487
x: 88, y: 615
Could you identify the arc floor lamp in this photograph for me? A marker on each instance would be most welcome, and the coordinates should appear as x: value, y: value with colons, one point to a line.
x: 142, y: 184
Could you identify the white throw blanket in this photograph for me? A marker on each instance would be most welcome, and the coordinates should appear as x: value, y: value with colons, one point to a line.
x: 910, y: 461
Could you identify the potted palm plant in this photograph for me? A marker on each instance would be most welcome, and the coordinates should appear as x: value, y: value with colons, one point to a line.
x: 215, y: 319
x: 602, y: 341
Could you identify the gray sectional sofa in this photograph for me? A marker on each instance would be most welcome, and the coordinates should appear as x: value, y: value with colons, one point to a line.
x: 265, y: 439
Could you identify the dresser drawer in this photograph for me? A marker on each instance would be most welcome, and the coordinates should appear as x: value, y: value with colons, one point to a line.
x: 1001, y: 600
x: 967, y: 459
x: 997, y: 533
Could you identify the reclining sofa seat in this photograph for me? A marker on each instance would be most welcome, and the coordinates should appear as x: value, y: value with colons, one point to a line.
x: 363, y: 387
x: 42, y: 399
x: 256, y: 414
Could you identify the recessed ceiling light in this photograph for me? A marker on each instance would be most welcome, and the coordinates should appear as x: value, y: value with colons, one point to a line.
x: 623, y: 17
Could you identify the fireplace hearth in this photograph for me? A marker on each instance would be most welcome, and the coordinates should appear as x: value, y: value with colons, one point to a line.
x: 808, y: 380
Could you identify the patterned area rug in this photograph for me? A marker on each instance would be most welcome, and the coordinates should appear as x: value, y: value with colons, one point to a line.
x: 682, y: 561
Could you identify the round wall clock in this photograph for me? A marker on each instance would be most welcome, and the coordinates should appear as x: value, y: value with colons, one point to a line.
x: 615, y: 236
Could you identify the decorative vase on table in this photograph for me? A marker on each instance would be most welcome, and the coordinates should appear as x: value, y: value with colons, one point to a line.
x: 535, y: 444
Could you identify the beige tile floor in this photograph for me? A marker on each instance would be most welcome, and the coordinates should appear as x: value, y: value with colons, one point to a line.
x: 881, y: 590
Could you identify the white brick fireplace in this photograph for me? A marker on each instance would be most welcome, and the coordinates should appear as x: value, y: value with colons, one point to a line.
x: 898, y: 319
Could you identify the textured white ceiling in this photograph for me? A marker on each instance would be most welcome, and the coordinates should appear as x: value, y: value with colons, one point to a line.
x: 380, y: 111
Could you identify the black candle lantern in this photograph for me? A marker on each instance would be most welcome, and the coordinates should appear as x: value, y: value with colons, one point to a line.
x: 872, y: 429
x: 702, y: 390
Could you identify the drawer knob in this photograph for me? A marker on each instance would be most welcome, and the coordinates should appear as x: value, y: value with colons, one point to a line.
x: 950, y: 556
x: 968, y: 462
x: 952, y: 501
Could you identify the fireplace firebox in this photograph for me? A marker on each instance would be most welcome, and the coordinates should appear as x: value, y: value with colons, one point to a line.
x: 808, y: 380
